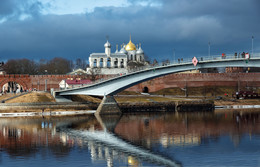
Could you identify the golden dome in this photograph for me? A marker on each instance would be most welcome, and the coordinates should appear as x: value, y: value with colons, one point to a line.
x: 130, y: 46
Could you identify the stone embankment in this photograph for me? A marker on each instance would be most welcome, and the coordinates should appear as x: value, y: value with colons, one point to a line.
x: 179, y: 106
x: 46, y: 106
x: 124, y: 107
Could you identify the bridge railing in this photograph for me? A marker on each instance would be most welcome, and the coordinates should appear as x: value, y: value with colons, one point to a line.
x: 214, y: 58
x: 178, y: 62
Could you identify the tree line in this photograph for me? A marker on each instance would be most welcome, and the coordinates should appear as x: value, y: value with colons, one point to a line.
x: 56, y: 65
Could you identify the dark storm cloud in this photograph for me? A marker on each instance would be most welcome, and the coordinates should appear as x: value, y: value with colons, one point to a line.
x: 14, y: 8
x: 185, y: 25
x: 6, y: 7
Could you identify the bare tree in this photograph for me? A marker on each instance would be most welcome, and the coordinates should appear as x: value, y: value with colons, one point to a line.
x: 24, y: 66
x: 42, y: 67
x: 94, y: 73
x: 155, y: 62
x: 28, y: 67
x: 134, y: 65
x: 80, y: 63
x: 147, y: 59
x: 10, y: 67
x: 58, y: 65
x: 21, y: 66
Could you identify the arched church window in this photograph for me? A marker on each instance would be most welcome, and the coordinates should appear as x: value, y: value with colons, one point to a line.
x: 122, y: 63
x: 95, y: 62
x: 116, y: 63
x: 109, y: 62
x: 101, y: 62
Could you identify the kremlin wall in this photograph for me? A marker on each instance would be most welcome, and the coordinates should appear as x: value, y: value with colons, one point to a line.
x: 183, y: 80
x: 180, y: 80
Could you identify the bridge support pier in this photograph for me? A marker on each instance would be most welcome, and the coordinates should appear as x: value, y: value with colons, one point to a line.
x: 108, y: 106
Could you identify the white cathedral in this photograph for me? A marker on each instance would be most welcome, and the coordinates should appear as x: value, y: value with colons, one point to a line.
x: 116, y: 63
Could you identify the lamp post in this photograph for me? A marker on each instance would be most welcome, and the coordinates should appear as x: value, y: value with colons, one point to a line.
x: 173, y: 56
x: 252, y: 45
x: 209, y: 49
x: 46, y: 86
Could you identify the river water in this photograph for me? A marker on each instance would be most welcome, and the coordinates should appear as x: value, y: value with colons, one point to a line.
x: 169, y: 139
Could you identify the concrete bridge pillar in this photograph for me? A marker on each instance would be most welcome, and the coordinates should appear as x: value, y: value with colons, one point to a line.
x: 108, y: 106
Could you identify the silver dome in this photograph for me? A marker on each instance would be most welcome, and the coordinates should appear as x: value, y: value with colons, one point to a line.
x: 107, y: 45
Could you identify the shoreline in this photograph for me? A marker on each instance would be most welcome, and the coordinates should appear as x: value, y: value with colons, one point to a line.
x: 30, y: 111
x: 245, y: 109
x: 33, y: 104
x: 52, y: 113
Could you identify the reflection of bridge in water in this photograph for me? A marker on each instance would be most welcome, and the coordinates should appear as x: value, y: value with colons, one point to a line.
x: 105, y: 145
x: 116, y: 142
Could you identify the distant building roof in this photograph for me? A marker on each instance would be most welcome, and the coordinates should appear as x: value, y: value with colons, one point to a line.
x: 98, y: 55
x: 103, y: 55
x: 78, y: 71
x: 118, y: 55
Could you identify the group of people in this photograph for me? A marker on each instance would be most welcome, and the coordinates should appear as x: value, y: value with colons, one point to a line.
x: 15, y: 91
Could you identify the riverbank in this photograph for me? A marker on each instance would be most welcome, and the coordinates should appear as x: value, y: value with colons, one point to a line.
x: 46, y: 113
x: 40, y: 102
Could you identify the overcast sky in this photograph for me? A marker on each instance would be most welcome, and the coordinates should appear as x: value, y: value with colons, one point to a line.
x: 37, y: 29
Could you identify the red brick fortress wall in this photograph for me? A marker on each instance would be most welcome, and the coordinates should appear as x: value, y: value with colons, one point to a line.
x: 199, y: 80
x: 23, y: 79
x: 38, y: 81
x: 173, y: 80
x: 29, y: 82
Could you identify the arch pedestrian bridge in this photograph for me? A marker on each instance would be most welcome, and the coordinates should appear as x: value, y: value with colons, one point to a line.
x: 117, y: 84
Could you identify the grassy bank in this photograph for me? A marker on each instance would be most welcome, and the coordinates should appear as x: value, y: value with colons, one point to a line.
x: 33, y: 97
x: 39, y: 97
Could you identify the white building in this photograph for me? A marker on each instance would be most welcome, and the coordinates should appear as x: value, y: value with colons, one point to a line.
x: 116, y: 63
x: 73, y: 83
